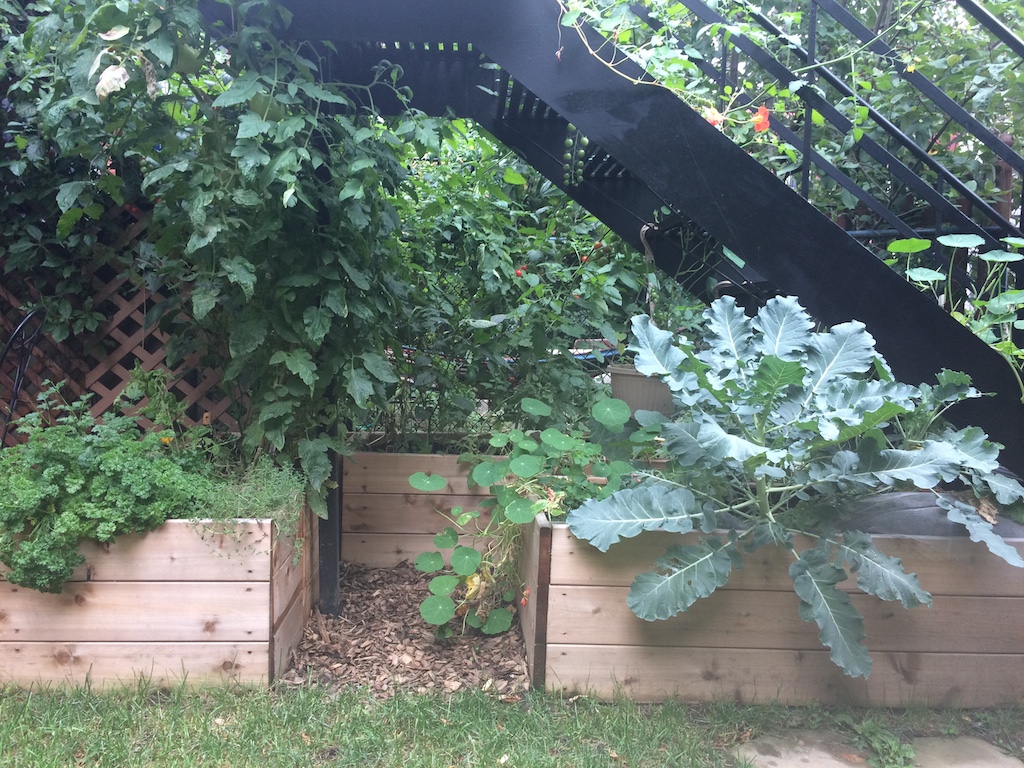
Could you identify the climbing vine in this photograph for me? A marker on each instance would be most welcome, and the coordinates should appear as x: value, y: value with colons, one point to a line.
x: 262, y: 193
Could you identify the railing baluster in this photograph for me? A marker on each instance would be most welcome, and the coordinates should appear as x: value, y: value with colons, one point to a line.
x: 812, y: 40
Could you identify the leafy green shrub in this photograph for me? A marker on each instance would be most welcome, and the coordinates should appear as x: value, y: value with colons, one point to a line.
x: 774, y: 423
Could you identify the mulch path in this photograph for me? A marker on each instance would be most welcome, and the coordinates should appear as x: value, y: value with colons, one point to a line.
x: 381, y: 644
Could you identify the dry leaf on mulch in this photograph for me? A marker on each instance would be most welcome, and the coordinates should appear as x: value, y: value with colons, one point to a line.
x: 381, y: 643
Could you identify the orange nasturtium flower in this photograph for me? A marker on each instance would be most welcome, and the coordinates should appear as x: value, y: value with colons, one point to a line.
x: 714, y: 117
x: 761, y: 119
x: 166, y: 440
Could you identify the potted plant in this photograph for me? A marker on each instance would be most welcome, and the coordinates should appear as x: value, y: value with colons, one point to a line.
x: 777, y: 426
x: 672, y: 307
x: 103, y: 519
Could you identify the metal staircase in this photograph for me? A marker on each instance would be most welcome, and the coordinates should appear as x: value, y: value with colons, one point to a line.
x: 664, y: 179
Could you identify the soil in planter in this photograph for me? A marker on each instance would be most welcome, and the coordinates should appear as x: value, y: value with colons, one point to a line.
x: 380, y: 643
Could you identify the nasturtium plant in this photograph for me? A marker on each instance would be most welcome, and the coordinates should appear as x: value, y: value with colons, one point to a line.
x: 542, y: 471
x: 978, y: 288
x: 776, y: 423
x: 466, y: 585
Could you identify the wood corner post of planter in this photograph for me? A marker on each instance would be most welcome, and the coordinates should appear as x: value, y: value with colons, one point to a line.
x: 330, y: 547
x: 535, y: 572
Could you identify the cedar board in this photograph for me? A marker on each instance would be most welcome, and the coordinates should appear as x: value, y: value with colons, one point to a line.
x: 182, y: 602
x: 747, y: 643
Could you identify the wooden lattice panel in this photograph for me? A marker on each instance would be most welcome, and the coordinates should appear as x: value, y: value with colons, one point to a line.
x: 50, y: 361
x: 126, y: 340
x: 101, y: 363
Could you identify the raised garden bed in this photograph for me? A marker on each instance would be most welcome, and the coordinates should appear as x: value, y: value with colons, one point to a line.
x: 180, y: 603
x: 746, y: 641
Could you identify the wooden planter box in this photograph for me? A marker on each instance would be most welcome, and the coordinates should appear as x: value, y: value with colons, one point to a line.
x: 744, y: 643
x: 175, y: 604
x: 384, y: 520
x: 747, y: 643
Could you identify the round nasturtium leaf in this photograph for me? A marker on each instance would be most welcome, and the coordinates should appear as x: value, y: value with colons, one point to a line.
x: 558, y: 440
x: 443, y: 585
x: 535, y: 407
x: 611, y: 412
x: 429, y: 562
x: 962, y: 241
x: 498, y: 440
x: 488, y: 473
x: 446, y: 539
x: 437, y: 609
x: 522, y: 511
x: 526, y: 466
x: 421, y: 481
x: 909, y: 245
x: 498, y: 621
x: 465, y: 560
x: 1001, y: 257
x: 505, y: 495
x: 1006, y: 301
x: 925, y: 275
x: 1014, y: 242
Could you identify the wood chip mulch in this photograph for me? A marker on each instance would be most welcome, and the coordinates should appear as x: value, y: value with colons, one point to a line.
x: 381, y: 644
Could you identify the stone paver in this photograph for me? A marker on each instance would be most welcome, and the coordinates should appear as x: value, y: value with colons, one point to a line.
x: 827, y: 749
x: 803, y: 749
x: 961, y: 752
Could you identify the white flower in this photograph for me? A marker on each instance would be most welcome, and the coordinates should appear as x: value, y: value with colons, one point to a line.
x: 113, y: 78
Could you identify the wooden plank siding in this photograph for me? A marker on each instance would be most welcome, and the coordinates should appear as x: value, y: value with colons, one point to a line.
x: 787, y: 677
x: 196, y: 602
x: 384, y: 520
x: 747, y: 643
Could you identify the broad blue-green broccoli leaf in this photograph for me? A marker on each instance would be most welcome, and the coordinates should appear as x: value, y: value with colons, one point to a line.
x: 729, y: 338
x: 847, y: 348
x: 628, y: 512
x: 879, y: 574
x: 689, y: 443
x: 980, y: 530
x: 684, y: 575
x: 656, y: 352
x: 840, y: 626
x: 1005, y: 488
x: 785, y: 329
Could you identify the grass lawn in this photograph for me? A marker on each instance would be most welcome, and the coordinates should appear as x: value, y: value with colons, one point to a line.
x: 312, y: 725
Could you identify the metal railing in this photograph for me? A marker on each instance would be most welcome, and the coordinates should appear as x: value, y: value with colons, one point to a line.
x: 19, y: 346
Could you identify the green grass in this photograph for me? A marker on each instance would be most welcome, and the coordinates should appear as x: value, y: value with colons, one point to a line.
x: 311, y: 726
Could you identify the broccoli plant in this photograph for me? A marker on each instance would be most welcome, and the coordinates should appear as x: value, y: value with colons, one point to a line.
x: 775, y: 424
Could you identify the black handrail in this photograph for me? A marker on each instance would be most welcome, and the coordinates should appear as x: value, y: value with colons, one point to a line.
x: 920, y: 153
x: 993, y: 25
x: 946, y: 210
x: 935, y: 94
x: 790, y: 137
x: 21, y: 343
